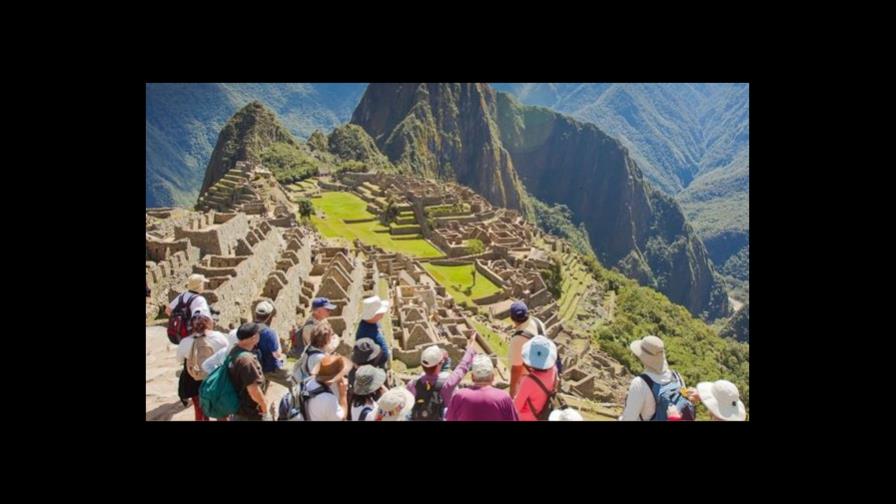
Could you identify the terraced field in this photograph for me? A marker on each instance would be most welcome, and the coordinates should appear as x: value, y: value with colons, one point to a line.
x: 457, y: 279
x: 333, y: 207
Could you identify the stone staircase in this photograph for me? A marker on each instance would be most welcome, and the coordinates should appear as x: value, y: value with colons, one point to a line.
x: 227, y: 193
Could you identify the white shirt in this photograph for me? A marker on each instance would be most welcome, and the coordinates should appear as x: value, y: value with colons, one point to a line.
x: 197, y: 303
x: 356, y: 412
x: 325, y: 406
x: 640, y: 399
x: 217, y: 340
x: 218, y: 358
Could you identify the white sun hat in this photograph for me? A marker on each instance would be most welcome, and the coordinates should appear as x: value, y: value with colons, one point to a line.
x: 431, y: 356
x: 373, y: 306
x: 565, y: 415
x: 395, y: 405
x: 539, y: 353
x: 723, y: 400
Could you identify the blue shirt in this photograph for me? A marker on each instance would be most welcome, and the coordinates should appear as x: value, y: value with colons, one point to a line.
x: 267, y: 345
x: 374, y: 332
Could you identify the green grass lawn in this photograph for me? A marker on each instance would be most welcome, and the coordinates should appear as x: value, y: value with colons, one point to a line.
x: 342, y: 205
x: 499, y: 346
x: 458, y: 278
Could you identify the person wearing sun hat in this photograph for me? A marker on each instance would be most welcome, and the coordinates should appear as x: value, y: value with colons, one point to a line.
x: 325, y: 393
x: 539, y: 356
x: 193, y: 295
x: 365, y: 352
x: 369, y: 385
x: 481, y: 402
x: 395, y: 406
x: 640, y: 404
x: 372, y: 311
x: 722, y: 399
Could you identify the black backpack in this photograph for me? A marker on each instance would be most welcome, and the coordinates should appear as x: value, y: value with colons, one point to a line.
x: 179, y: 323
x: 553, y: 401
x: 428, y: 403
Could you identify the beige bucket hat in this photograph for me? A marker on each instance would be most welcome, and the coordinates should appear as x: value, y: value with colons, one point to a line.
x: 651, y: 351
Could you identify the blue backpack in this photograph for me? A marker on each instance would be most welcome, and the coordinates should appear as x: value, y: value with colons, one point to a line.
x: 667, y: 394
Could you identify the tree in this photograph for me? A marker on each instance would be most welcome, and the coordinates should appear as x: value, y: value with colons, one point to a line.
x: 390, y: 212
x: 306, y: 209
x: 475, y: 246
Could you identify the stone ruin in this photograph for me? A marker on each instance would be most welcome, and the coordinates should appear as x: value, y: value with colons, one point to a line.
x: 246, y: 259
x: 339, y: 275
x: 250, y: 189
x: 251, y: 249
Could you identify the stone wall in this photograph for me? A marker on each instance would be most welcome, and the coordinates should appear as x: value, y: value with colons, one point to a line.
x: 169, y: 274
x: 234, y: 296
x: 217, y: 239
x: 284, y: 284
x: 491, y: 275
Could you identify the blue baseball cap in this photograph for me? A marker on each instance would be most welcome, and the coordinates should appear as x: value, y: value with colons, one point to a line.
x: 519, y: 311
x: 322, y: 302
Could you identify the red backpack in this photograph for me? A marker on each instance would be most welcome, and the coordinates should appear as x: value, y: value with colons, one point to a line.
x: 179, y: 323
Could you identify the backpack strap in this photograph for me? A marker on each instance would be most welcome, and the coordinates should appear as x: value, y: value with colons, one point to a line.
x: 678, y: 377
x: 548, y: 394
x: 364, y: 412
x: 649, y: 381
x: 309, y: 351
x: 307, y: 395
x: 524, y: 333
x: 540, y: 325
x: 181, y: 302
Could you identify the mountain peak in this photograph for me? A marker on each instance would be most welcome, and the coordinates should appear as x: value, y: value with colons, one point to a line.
x: 443, y: 130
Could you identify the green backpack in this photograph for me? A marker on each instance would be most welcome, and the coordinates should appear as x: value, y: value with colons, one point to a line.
x: 217, y: 396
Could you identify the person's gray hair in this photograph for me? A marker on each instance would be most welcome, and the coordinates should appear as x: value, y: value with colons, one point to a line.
x: 489, y: 379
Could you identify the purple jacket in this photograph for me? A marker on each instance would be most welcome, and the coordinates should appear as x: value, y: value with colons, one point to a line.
x: 453, y: 379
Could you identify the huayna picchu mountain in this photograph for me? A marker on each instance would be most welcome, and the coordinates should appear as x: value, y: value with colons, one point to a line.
x: 252, y: 134
x: 505, y: 151
x: 446, y: 131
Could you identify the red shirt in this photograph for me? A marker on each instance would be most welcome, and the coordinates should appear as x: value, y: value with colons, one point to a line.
x: 530, y: 390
